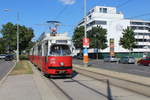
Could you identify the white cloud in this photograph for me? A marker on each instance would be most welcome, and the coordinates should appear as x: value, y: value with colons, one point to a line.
x: 68, y: 2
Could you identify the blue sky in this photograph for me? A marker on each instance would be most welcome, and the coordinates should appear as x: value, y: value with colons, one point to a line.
x: 34, y: 13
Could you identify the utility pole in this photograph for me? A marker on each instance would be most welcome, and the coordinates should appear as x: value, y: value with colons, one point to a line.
x: 17, y: 35
x: 17, y: 53
x: 85, y: 51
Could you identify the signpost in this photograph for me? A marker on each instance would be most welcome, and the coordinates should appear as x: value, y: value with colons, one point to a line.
x: 85, y: 39
x: 111, y: 44
x: 86, y: 42
x: 85, y: 51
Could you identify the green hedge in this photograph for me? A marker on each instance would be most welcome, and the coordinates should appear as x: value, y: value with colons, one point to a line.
x: 23, y: 57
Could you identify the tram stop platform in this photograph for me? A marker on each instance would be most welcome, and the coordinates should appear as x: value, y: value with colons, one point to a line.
x: 25, y: 87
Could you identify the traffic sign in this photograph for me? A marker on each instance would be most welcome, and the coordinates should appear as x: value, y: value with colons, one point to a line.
x: 86, y: 42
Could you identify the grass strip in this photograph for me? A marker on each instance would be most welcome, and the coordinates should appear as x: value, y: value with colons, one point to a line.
x: 22, y: 67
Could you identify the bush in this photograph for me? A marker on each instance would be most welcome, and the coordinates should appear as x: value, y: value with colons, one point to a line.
x: 23, y: 57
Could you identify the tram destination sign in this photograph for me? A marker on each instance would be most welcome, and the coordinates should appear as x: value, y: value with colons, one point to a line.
x: 61, y: 41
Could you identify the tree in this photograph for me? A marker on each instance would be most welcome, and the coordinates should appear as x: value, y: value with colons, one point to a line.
x: 2, y: 46
x: 31, y: 44
x: 78, y: 37
x: 26, y: 35
x: 128, y: 40
x: 9, y: 31
x: 98, y: 37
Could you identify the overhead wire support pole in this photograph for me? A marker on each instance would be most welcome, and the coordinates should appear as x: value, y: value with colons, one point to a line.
x: 17, y: 35
x: 85, y: 20
x: 17, y: 53
x: 85, y: 51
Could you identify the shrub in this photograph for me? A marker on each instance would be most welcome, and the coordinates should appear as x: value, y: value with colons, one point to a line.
x: 23, y: 57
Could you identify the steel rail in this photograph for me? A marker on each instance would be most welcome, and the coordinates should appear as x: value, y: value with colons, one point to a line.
x: 112, y: 83
x: 59, y: 88
x: 107, y: 96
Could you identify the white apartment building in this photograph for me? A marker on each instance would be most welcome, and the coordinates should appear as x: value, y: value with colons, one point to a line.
x: 114, y: 22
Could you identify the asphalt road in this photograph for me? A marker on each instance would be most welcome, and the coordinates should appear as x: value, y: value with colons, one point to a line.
x: 5, y: 66
x: 126, y: 68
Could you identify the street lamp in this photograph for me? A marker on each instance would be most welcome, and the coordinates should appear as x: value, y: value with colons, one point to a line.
x: 96, y: 46
x: 17, y: 35
x: 85, y: 58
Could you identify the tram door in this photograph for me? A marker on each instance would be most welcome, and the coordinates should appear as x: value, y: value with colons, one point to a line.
x: 45, y: 56
x: 40, y: 56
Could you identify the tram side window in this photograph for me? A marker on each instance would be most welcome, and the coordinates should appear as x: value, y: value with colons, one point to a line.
x: 45, y: 48
x: 32, y: 52
x: 39, y: 50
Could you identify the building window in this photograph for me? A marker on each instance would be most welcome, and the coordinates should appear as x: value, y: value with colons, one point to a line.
x: 100, y: 10
x: 90, y: 17
x: 145, y: 34
x: 92, y: 11
x: 143, y: 40
x: 96, y: 23
x: 137, y: 23
x: 100, y: 22
x: 103, y: 10
x: 139, y: 46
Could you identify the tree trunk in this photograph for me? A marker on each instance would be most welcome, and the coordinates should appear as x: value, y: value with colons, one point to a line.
x: 97, y: 54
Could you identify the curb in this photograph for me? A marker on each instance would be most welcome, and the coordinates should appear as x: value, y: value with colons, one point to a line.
x: 5, y: 77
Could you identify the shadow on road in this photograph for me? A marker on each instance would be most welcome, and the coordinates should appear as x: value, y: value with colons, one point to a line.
x: 109, y: 94
x: 74, y: 74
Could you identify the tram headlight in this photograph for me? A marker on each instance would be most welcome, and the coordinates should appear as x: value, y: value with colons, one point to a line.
x: 62, y: 63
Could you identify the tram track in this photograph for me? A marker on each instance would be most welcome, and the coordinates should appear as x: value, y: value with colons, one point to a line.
x: 67, y: 95
x: 90, y: 88
x: 135, y: 87
x: 69, y: 89
x: 85, y: 84
x: 59, y: 88
x: 81, y: 84
x: 108, y: 97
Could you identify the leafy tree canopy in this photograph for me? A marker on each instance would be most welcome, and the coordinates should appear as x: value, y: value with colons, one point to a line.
x: 2, y: 43
x: 98, y: 37
x: 9, y: 31
x: 128, y: 40
x: 78, y: 37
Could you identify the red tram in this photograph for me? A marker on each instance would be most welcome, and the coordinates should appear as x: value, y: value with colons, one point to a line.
x: 52, y: 54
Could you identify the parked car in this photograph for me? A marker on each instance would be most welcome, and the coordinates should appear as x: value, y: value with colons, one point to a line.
x: 2, y: 56
x: 127, y: 60
x: 79, y: 57
x: 144, y: 61
x: 9, y: 57
x: 110, y: 59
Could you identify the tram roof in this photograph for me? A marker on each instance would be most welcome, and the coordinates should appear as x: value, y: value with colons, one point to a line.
x: 48, y: 36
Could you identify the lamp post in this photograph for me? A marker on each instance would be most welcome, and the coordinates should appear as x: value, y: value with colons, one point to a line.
x: 17, y: 35
x: 17, y: 54
x: 85, y: 58
x: 96, y: 46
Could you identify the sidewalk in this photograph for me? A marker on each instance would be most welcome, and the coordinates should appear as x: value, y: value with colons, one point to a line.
x: 26, y: 87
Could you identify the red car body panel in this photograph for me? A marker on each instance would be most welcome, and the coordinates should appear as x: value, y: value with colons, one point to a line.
x: 53, y: 65
x: 144, y: 61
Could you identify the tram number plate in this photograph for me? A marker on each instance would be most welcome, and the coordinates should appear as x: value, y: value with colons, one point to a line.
x: 62, y: 72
